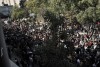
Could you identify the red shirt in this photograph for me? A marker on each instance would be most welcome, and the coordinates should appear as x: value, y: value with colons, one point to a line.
x: 90, y: 43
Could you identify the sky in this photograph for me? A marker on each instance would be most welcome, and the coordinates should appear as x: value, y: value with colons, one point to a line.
x: 7, y: 1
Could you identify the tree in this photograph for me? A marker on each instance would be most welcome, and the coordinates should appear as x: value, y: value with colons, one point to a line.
x: 18, y: 13
x: 88, y: 12
x: 53, y: 9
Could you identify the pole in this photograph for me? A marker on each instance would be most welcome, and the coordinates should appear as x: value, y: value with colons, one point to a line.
x: 4, y: 59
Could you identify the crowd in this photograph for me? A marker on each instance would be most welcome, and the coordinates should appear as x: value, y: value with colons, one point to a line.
x: 87, y: 46
x: 22, y: 37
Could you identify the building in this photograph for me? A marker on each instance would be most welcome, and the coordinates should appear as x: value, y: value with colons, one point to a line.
x: 10, y: 2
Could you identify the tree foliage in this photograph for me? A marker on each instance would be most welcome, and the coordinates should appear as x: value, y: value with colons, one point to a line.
x: 88, y: 11
x: 18, y: 13
x: 83, y: 10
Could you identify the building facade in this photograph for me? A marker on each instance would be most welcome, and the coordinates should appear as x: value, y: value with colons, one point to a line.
x: 10, y: 2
